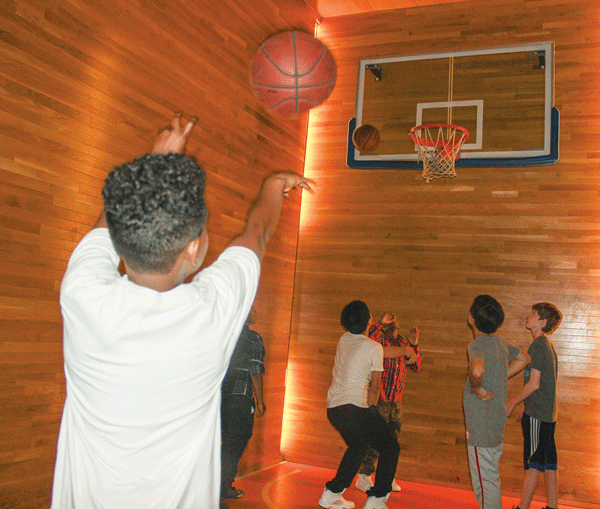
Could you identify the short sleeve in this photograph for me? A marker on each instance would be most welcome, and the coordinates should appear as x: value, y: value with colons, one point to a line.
x: 377, y: 357
x: 475, y: 351
x: 94, y: 259
x: 537, y: 356
x: 513, y: 352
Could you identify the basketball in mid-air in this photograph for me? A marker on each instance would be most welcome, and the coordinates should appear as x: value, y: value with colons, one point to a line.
x: 365, y: 138
x: 292, y: 72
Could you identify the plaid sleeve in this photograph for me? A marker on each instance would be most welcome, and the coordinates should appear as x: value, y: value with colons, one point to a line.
x: 416, y: 367
x: 376, y: 333
x: 257, y: 365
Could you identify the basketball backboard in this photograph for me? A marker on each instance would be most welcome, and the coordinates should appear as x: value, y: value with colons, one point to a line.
x: 503, y: 96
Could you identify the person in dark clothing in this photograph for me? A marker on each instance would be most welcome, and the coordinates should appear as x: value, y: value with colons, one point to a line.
x: 241, y: 398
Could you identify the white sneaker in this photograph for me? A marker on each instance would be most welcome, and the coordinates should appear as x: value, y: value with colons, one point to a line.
x: 376, y: 502
x: 395, y: 486
x: 364, y: 482
x: 331, y: 500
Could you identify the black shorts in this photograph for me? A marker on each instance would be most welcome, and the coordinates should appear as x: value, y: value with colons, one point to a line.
x: 539, y: 449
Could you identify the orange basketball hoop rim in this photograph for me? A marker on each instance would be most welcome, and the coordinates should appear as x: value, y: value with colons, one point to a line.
x: 449, y: 140
x: 438, y: 149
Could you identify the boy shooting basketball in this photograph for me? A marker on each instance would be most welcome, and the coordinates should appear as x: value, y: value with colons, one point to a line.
x: 538, y: 420
x: 145, y: 354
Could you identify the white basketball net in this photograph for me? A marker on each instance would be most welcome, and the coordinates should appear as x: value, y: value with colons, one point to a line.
x: 438, y: 147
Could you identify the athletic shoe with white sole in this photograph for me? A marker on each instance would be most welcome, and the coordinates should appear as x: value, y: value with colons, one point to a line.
x: 396, y: 487
x: 376, y: 502
x: 331, y: 500
x: 364, y: 482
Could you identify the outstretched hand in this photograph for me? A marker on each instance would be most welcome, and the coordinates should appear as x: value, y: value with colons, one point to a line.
x: 292, y: 180
x: 413, y: 335
x: 172, y: 139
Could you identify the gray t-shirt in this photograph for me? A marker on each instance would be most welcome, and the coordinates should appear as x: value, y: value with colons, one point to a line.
x: 542, y: 403
x: 485, y: 420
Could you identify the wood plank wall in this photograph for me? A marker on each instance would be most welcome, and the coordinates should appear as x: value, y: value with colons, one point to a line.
x: 85, y: 85
x: 426, y: 250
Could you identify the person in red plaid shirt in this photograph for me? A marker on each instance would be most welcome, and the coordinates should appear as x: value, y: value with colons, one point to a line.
x: 385, y: 332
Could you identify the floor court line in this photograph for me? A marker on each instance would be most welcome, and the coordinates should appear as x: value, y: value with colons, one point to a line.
x: 289, y: 485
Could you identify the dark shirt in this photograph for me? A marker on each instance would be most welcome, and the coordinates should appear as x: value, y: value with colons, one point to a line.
x: 542, y: 403
x: 247, y: 360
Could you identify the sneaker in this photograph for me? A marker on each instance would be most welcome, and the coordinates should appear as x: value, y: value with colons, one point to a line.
x: 331, y: 500
x: 231, y: 493
x: 376, y: 502
x: 364, y: 482
x: 396, y: 487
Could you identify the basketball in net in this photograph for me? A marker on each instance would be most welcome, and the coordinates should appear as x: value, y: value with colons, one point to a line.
x: 292, y: 72
x: 438, y: 146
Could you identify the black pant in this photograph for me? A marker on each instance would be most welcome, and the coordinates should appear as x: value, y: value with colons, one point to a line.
x: 237, y: 423
x: 362, y: 428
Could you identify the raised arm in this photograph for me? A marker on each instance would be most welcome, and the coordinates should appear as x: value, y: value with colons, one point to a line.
x: 264, y: 215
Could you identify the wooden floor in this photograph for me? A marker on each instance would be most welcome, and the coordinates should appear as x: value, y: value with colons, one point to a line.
x: 292, y: 485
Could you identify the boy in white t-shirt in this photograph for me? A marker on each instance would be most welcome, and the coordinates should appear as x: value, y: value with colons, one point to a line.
x: 352, y: 410
x: 144, y: 353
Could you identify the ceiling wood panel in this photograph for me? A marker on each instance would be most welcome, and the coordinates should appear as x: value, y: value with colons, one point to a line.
x: 332, y: 8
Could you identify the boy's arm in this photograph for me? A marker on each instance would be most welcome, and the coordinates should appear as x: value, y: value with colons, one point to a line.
x: 374, y: 388
x: 518, y: 363
x: 413, y: 341
x: 528, y: 389
x: 391, y: 352
x: 476, y: 373
x: 257, y: 384
x: 264, y: 215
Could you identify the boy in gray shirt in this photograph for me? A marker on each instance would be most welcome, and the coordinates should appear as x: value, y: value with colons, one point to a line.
x: 538, y: 420
x: 492, y: 361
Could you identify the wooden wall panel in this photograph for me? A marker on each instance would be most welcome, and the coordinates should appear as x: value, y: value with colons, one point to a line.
x: 85, y: 85
x: 426, y: 250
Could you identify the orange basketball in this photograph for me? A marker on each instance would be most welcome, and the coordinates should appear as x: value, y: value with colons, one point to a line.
x: 365, y: 138
x: 292, y: 72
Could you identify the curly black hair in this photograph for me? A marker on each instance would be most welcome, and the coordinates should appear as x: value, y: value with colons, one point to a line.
x: 154, y: 207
